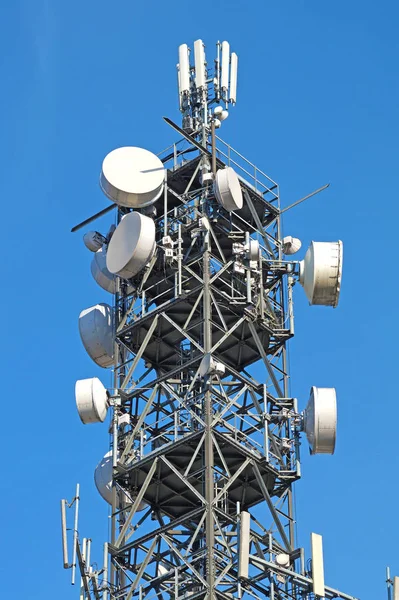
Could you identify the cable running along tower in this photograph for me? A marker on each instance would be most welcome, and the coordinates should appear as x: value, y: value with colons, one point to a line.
x: 205, y: 434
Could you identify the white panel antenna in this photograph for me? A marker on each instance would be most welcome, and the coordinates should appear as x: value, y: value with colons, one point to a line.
x: 184, y: 69
x: 244, y: 544
x: 199, y: 59
x: 225, y: 69
x: 317, y: 565
x: 233, y: 78
x: 396, y: 588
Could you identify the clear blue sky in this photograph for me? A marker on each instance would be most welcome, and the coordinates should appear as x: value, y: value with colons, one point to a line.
x: 318, y: 101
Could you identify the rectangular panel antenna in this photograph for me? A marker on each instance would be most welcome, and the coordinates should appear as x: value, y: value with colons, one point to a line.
x: 396, y: 588
x: 243, y: 552
x: 317, y: 564
x: 233, y: 78
x: 184, y: 69
x: 225, y: 66
x: 199, y: 60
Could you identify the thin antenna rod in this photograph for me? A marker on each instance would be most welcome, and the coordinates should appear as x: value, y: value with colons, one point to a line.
x: 64, y: 534
x: 188, y: 137
x: 75, y: 534
x: 93, y: 218
x: 305, y: 198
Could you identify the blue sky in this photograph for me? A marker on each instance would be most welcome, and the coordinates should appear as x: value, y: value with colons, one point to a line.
x: 318, y: 96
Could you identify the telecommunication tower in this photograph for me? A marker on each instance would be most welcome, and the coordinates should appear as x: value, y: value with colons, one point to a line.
x: 205, y: 434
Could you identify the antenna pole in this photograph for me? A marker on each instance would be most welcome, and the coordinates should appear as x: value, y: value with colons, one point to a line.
x: 75, y: 534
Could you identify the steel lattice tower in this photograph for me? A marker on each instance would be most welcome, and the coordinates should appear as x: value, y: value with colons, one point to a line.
x: 205, y: 432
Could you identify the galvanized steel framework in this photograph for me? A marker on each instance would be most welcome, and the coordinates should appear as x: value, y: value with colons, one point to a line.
x: 198, y: 451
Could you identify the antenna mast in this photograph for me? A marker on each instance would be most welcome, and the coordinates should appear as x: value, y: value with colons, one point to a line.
x: 205, y: 432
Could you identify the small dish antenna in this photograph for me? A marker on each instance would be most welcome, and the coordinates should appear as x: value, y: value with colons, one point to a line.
x: 209, y: 366
x: 103, y: 481
x: 291, y: 245
x: 321, y: 273
x: 91, y: 400
x: 99, y: 270
x: 93, y: 240
x: 96, y: 328
x: 228, y: 189
x: 320, y: 420
x: 131, y: 246
x: 132, y: 177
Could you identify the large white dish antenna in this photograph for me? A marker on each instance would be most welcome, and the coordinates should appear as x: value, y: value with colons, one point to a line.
x: 96, y: 328
x: 91, y: 400
x: 321, y: 273
x: 99, y: 270
x: 132, y: 177
x: 320, y: 420
x: 228, y: 189
x: 131, y: 246
x: 103, y: 480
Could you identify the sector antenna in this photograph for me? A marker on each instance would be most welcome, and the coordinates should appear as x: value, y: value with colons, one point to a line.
x: 192, y: 309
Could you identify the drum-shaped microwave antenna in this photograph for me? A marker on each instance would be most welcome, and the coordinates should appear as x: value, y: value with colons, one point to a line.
x: 321, y: 273
x: 96, y: 328
x: 291, y: 245
x: 99, y: 270
x: 91, y: 400
x: 320, y: 420
x: 93, y: 240
x: 132, y: 177
x: 103, y: 481
x: 228, y: 189
x: 131, y: 246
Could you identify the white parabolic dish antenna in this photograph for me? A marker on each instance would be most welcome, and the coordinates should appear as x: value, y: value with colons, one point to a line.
x: 291, y: 245
x: 228, y: 189
x: 99, y: 270
x: 103, y: 481
x: 91, y: 400
x: 320, y: 420
x: 96, y: 328
x: 321, y: 272
x: 132, y: 177
x: 93, y: 240
x: 131, y: 246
